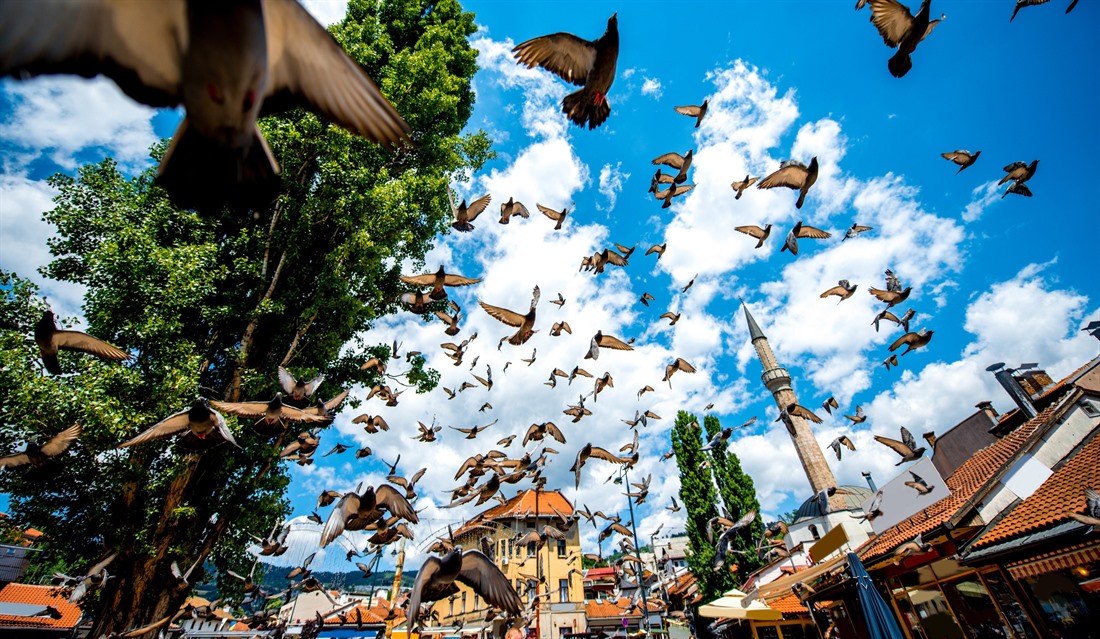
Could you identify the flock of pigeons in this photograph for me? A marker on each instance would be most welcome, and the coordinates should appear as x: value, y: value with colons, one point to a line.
x: 218, y: 157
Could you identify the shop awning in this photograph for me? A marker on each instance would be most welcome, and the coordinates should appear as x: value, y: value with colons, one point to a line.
x: 782, y: 586
x: 1057, y: 560
x: 732, y: 605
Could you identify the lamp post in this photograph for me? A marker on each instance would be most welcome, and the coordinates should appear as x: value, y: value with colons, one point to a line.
x: 641, y: 571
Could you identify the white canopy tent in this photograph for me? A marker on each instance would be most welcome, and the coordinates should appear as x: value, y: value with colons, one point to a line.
x: 735, y: 605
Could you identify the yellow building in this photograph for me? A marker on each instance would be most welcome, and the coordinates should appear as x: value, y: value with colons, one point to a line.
x: 553, y: 572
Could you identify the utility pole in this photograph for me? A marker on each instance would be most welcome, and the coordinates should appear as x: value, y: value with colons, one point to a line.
x: 396, y: 589
x: 641, y: 567
x: 538, y: 569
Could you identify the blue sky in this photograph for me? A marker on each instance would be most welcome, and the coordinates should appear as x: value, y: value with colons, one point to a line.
x: 997, y: 280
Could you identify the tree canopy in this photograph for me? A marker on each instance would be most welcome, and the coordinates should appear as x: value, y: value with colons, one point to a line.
x: 210, y: 304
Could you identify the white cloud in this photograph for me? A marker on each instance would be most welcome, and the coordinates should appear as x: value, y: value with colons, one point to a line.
x: 981, y: 198
x: 327, y: 11
x: 612, y: 180
x: 58, y: 117
x: 652, y: 88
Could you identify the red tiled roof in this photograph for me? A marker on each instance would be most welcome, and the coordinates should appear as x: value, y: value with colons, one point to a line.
x: 1062, y: 492
x: 683, y: 585
x: 523, y: 505
x: 594, y: 573
x: 377, y: 614
x: 38, y: 596
x: 788, y: 605
x: 622, y: 607
x: 970, y: 477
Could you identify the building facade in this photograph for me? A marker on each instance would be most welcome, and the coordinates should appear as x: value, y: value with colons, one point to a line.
x: 552, y: 572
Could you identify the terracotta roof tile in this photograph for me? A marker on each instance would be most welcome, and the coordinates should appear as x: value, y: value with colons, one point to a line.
x: 1062, y: 492
x: 622, y: 607
x: 376, y: 614
x: 788, y: 605
x: 967, y: 479
x: 522, y: 505
x: 39, y: 596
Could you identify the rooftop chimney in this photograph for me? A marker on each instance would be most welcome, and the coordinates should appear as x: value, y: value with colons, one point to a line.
x: 1009, y: 382
x: 870, y: 482
x: 987, y: 408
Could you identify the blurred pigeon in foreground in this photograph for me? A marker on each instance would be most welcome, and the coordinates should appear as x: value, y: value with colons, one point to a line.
x: 227, y: 63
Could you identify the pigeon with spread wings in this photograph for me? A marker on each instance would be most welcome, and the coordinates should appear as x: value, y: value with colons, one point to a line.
x: 760, y: 234
x: 51, y: 339
x: 436, y: 577
x: 438, y: 280
x: 512, y: 207
x: 588, y: 450
x: 557, y: 216
x: 801, y: 230
x: 201, y: 420
x: 588, y: 64
x: 907, y: 447
x: 599, y: 340
x: 38, y: 454
x: 226, y: 63
x: 793, y: 175
x: 694, y: 111
x: 525, y: 323
x: 901, y: 30
x: 843, y: 440
x: 961, y: 157
x: 721, y: 547
x: 465, y: 214
x: 680, y: 364
x: 356, y: 510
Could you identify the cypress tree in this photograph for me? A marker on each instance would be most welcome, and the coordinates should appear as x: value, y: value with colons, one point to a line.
x: 739, y: 497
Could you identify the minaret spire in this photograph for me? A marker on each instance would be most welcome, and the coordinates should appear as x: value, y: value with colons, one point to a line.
x: 778, y: 381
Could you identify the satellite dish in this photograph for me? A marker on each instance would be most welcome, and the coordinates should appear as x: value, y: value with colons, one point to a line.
x: 993, y: 368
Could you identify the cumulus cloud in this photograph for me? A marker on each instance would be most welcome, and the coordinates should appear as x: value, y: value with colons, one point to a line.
x: 612, y: 180
x: 60, y: 117
x: 652, y: 88
x: 981, y: 198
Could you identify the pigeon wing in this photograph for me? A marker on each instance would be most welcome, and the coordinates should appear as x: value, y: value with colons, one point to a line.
x: 61, y: 441
x: 396, y: 503
x: 892, y: 19
x: 791, y: 176
x: 348, y: 506
x: 691, y: 110
x: 479, y: 572
x: 77, y: 341
x: 287, y: 381
x: 804, y: 413
x: 421, y: 587
x: 894, y: 444
x: 473, y: 210
x: 452, y: 279
x: 903, y: 340
x: 607, y: 341
x: 675, y: 160
x: 175, y: 423
x: 752, y: 230
x: 549, y: 212
x: 813, y: 233
x: 133, y: 44
x: 907, y: 438
x: 563, y: 54
x: 308, y: 67
x: 600, y: 453
x: 511, y: 318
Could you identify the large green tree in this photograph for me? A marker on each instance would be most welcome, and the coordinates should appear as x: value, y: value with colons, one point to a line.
x: 211, y: 304
x: 738, y: 496
x: 699, y: 496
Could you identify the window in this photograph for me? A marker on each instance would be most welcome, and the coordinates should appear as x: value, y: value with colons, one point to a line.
x: 502, y: 548
x: 511, y: 547
x: 451, y: 607
x: 813, y: 531
x: 531, y: 590
x: 561, y: 548
x: 563, y: 590
x: 463, y: 603
x: 531, y: 549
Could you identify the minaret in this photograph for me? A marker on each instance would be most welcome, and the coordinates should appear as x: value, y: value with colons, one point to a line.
x: 778, y: 381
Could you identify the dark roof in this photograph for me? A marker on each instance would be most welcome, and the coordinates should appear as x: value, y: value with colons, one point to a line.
x: 754, y: 330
